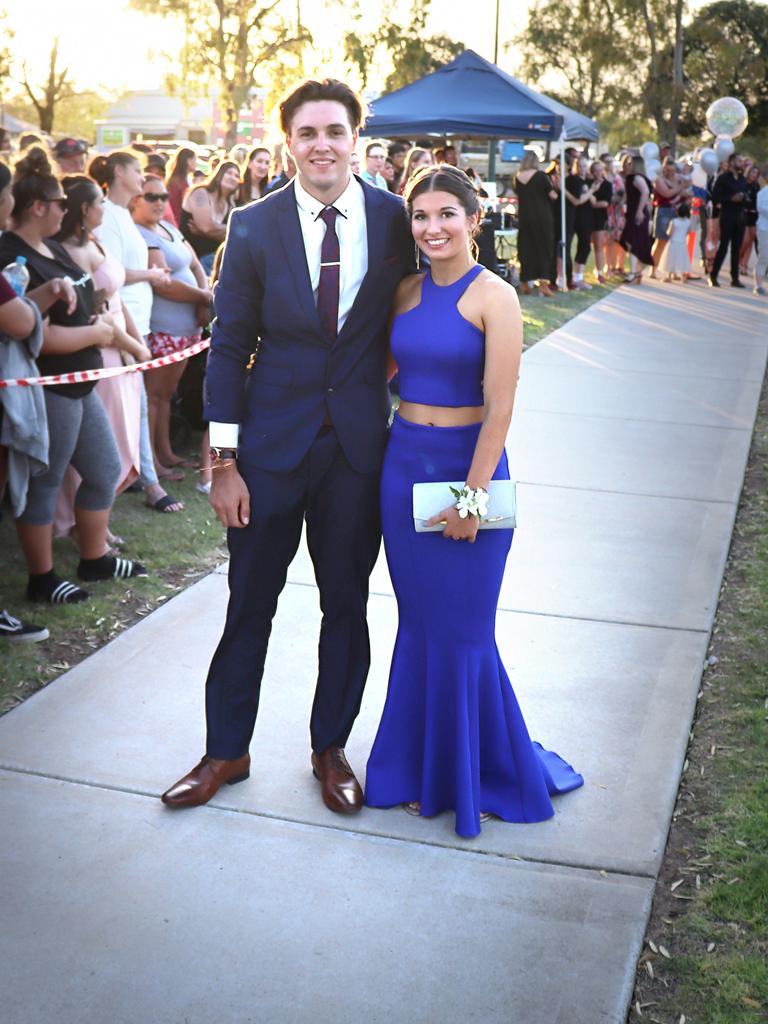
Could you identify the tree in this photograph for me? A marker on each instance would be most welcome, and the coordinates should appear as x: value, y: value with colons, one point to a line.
x: 409, y: 51
x: 583, y: 44
x: 45, y: 97
x: 616, y: 59
x: 6, y: 34
x: 726, y: 54
x: 662, y: 47
x: 233, y: 43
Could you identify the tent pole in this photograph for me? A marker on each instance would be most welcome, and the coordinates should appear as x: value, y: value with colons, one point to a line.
x: 563, y: 277
x: 491, y: 160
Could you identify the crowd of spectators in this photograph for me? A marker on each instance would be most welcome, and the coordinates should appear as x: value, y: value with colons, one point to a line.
x: 122, y: 251
x: 654, y: 221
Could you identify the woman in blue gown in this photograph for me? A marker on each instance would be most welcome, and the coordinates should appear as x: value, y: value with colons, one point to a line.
x: 452, y: 736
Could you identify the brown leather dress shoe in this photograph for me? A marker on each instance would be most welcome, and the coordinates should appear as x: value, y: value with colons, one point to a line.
x: 341, y: 790
x: 203, y: 781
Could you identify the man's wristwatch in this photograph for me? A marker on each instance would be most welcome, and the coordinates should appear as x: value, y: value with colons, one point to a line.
x: 220, y: 454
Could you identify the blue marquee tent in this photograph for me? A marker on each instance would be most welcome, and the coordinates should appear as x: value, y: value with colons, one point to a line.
x: 473, y: 98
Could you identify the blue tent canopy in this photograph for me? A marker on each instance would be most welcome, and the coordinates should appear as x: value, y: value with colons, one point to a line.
x: 473, y: 98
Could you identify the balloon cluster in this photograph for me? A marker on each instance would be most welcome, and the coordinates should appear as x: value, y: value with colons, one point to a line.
x: 649, y: 151
x: 726, y: 119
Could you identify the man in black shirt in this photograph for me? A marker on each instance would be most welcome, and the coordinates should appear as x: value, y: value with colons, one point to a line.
x: 730, y: 191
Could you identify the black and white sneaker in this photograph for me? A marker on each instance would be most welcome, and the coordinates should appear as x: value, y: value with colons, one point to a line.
x: 22, y: 632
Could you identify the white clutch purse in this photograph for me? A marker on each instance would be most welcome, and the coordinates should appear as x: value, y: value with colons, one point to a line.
x: 431, y: 498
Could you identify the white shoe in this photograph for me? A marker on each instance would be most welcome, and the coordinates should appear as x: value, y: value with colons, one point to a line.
x: 203, y: 488
x: 582, y: 286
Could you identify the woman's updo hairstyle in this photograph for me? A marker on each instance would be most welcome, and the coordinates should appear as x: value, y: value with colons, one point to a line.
x: 80, y: 190
x: 33, y: 179
x: 445, y: 178
x: 102, y: 168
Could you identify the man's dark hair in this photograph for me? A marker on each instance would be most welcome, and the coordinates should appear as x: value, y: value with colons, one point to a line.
x: 732, y: 158
x: 312, y: 91
x: 397, y: 147
x: 374, y: 145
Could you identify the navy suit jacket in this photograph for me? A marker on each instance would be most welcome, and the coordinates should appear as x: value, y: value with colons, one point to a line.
x: 264, y: 301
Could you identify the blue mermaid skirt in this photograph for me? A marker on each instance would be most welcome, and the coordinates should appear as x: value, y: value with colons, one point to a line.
x: 452, y: 735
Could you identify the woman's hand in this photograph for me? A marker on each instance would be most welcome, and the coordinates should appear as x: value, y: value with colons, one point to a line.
x: 456, y: 528
x: 158, y: 276
x: 58, y: 289
x: 141, y: 353
x: 203, y: 313
x: 104, y: 332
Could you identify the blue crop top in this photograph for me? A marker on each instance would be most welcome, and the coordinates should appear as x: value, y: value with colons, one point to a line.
x: 440, y: 356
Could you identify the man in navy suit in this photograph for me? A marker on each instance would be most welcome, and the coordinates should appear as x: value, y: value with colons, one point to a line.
x: 306, y: 283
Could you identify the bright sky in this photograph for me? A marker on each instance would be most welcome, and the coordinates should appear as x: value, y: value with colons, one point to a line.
x: 106, y: 44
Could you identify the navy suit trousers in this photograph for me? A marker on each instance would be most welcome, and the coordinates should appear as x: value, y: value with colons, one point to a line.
x: 341, y: 508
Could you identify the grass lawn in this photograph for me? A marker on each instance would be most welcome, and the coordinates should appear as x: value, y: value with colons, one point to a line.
x: 177, y: 549
x: 542, y: 316
x: 706, y: 954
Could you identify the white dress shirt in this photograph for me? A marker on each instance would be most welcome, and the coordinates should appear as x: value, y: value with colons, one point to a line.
x: 352, y: 232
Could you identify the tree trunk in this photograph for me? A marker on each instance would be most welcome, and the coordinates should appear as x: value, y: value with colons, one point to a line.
x: 45, y: 117
x: 677, y: 77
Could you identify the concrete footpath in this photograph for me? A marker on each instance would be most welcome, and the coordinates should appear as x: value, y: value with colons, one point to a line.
x: 630, y: 439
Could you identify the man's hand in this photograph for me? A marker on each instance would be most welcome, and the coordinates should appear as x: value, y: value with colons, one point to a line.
x: 229, y: 496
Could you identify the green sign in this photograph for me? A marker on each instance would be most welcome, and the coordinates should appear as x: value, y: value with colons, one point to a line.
x: 112, y: 136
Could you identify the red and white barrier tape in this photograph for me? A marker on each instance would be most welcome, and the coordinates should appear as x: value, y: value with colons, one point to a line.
x: 81, y: 376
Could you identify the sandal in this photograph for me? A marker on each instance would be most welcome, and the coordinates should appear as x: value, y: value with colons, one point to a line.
x: 412, y: 808
x: 163, y: 473
x: 109, y: 568
x: 166, y: 504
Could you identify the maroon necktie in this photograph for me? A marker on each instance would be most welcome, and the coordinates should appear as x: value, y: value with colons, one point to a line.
x: 328, y: 288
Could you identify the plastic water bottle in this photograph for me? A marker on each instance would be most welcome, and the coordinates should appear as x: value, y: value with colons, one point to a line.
x: 17, y: 275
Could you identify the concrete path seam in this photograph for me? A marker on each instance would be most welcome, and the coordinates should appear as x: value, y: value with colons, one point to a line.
x: 330, y: 827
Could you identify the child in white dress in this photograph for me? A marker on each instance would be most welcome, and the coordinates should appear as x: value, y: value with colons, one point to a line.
x: 675, y: 261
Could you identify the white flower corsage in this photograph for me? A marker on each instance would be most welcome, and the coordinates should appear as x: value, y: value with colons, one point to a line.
x: 471, y: 501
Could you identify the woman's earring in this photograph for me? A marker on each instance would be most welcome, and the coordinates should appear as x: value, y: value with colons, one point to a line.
x: 474, y: 250
x: 417, y: 255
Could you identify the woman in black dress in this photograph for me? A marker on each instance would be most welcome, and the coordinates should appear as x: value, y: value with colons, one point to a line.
x: 636, y: 236
x: 556, y: 267
x: 578, y: 222
x: 535, y: 240
x: 601, y: 198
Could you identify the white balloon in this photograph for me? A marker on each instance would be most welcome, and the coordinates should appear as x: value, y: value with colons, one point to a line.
x: 727, y: 116
x: 724, y: 147
x: 652, y: 168
x: 649, y: 151
x: 699, y: 177
x: 708, y: 160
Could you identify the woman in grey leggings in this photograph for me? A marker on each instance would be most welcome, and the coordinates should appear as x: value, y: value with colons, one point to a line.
x: 78, y: 427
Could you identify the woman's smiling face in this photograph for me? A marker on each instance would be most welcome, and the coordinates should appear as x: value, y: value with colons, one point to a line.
x: 440, y: 225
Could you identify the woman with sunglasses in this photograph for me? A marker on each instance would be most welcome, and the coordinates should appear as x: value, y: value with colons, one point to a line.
x: 79, y: 431
x: 121, y: 396
x: 121, y: 178
x: 180, y: 307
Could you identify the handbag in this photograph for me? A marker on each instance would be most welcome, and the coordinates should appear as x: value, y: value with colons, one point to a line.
x: 431, y: 498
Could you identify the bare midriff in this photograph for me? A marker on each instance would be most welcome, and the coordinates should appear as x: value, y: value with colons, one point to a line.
x: 440, y: 415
